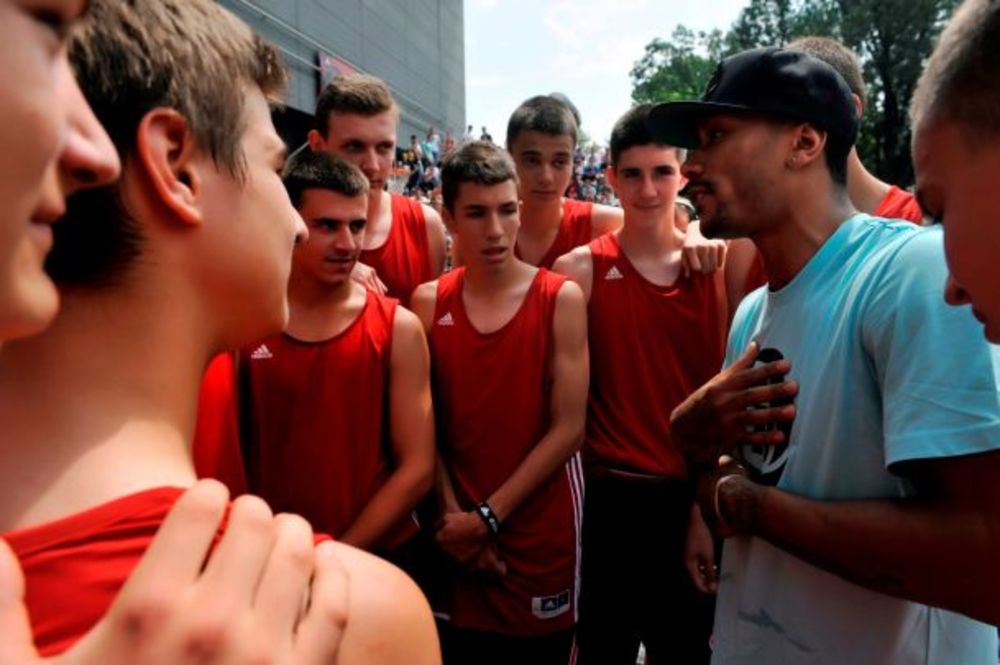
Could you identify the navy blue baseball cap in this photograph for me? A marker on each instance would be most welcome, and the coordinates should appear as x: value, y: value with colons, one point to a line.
x: 783, y: 83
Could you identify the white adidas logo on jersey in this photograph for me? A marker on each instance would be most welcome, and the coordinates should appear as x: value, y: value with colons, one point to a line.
x: 261, y: 353
x: 614, y: 273
x: 446, y: 320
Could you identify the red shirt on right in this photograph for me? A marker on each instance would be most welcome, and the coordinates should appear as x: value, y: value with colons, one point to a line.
x: 650, y: 347
x: 899, y: 204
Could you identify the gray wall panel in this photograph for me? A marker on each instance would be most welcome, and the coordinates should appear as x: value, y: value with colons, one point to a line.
x: 417, y: 46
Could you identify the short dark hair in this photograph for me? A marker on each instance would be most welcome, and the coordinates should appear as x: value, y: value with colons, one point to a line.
x: 632, y: 129
x: 560, y: 97
x: 479, y: 162
x: 545, y: 114
x: 356, y: 93
x: 133, y: 57
x: 959, y: 83
x: 835, y: 153
x: 310, y: 169
x: 843, y: 60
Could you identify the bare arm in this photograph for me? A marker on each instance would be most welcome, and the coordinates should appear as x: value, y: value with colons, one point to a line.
x: 437, y: 246
x: 578, y: 265
x: 389, y: 619
x: 411, y: 423
x: 571, y: 372
x: 422, y: 303
x: 939, y: 548
x: 605, y: 219
x: 742, y: 254
x: 701, y: 254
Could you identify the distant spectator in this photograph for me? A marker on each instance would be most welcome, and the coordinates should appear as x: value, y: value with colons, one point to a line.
x: 485, y: 136
x: 469, y: 134
x: 433, y: 140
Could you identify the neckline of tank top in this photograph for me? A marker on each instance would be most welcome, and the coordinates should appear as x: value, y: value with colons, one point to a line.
x: 295, y: 341
x: 536, y: 281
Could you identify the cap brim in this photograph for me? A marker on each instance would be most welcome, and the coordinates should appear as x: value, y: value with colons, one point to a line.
x: 676, y: 123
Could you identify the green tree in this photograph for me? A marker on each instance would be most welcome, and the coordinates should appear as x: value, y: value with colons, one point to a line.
x: 892, y: 37
x: 673, y: 70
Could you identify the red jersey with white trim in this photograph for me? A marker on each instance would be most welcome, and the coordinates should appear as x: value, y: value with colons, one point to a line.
x: 216, y: 448
x: 403, y: 261
x: 73, y: 567
x: 650, y: 347
x: 318, y: 421
x: 492, y: 398
x: 576, y: 228
x: 899, y: 204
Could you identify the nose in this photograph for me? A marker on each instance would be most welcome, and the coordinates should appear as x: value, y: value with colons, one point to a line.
x: 647, y: 190
x: 345, y: 241
x: 88, y: 157
x: 691, y: 168
x: 545, y: 174
x: 369, y: 162
x: 492, y: 228
x: 954, y: 294
x: 299, y: 226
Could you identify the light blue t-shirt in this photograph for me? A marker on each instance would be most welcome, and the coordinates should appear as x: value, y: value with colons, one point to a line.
x: 887, y: 372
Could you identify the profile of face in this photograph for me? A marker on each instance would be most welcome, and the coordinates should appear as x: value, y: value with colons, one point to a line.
x: 52, y: 145
x: 336, y: 224
x: 484, y: 222
x: 956, y: 185
x: 250, y: 229
x: 369, y: 142
x: 646, y: 179
x: 544, y: 165
x: 734, y: 175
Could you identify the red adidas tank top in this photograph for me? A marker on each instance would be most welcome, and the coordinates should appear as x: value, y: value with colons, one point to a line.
x: 576, y: 229
x: 403, y: 261
x: 650, y: 347
x: 899, y: 204
x: 316, y: 421
x: 492, y: 398
x: 75, y: 566
x: 216, y: 446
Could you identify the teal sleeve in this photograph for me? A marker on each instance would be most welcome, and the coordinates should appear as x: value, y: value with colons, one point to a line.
x: 935, y: 369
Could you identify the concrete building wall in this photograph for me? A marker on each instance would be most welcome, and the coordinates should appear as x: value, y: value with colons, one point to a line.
x: 416, y: 46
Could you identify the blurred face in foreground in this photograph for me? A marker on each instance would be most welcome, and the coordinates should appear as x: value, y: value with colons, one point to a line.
x: 956, y: 185
x: 50, y: 146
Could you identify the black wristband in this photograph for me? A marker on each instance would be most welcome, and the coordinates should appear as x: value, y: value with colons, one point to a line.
x: 485, y: 511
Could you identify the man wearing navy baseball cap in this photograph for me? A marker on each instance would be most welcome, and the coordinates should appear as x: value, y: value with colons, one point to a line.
x: 851, y: 495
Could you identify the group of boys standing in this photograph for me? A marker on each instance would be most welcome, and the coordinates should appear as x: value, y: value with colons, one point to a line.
x: 575, y: 346
x: 334, y: 418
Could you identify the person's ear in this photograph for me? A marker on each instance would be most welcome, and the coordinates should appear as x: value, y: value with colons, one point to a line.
x: 612, y: 177
x: 449, y: 221
x: 316, y: 141
x: 859, y: 105
x: 807, y: 146
x: 171, y: 162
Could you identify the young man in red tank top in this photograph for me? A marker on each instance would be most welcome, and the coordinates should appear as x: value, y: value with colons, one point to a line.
x: 541, y: 137
x: 337, y: 409
x: 655, y: 335
x: 98, y: 410
x: 509, y: 361
x: 404, y: 243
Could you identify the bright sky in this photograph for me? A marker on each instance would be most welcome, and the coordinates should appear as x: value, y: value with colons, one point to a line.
x: 515, y: 49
